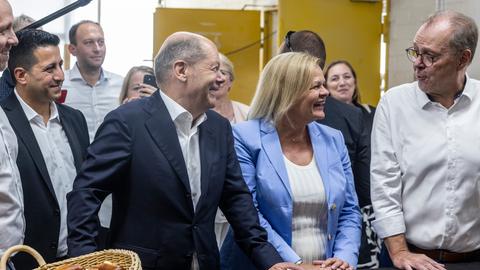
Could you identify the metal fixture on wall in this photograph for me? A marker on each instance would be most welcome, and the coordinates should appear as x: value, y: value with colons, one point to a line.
x: 440, y: 5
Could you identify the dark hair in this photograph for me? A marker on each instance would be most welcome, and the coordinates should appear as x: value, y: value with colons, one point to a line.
x: 356, y: 100
x: 305, y: 41
x: 28, y: 41
x: 464, y: 30
x: 73, y: 30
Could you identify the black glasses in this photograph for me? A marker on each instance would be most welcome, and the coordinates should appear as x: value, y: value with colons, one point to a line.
x: 427, y: 59
x: 288, y: 43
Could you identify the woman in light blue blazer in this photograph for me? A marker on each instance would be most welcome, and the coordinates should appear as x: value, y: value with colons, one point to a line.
x: 297, y: 170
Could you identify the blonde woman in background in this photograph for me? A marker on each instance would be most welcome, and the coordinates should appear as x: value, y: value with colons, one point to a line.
x: 133, y: 86
x: 235, y: 112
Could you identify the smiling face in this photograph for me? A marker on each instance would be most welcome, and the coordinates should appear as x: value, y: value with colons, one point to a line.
x: 43, y: 81
x: 341, y: 83
x: 7, y: 35
x: 204, y: 79
x: 441, y: 76
x: 309, y: 106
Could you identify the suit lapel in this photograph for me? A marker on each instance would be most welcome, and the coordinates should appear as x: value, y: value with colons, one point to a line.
x: 207, y: 142
x: 24, y: 132
x: 163, y: 132
x: 72, y: 137
x: 321, y: 155
x: 273, y: 150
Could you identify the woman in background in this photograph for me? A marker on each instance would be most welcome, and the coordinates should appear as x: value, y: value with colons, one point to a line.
x: 133, y: 86
x: 235, y: 112
x: 297, y: 170
x: 342, y: 85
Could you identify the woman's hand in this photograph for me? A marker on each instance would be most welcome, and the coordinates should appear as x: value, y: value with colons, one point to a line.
x: 146, y: 90
x: 333, y: 263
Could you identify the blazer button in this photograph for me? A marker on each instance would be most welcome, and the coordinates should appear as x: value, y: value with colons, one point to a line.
x: 195, y: 227
x: 333, y: 207
x: 329, y: 236
x: 57, y: 213
x: 188, y: 195
x: 53, y: 245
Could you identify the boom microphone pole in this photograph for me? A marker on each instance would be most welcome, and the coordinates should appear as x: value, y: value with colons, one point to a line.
x: 58, y: 13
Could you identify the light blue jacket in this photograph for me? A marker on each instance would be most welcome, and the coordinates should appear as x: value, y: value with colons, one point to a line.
x: 260, y: 155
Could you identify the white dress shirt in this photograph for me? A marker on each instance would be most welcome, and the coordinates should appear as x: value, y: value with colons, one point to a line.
x: 95, y: 102
x: 425, y: 168
x: 187, y: 132
x: 58, y: 157
x: 12, y: 219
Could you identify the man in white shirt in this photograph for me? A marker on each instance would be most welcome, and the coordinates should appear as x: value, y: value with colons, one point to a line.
x: 90, y: 89
x: 52, y: 141
x: 169, y: 162
x: 12, y: 222
x: 425, y: 168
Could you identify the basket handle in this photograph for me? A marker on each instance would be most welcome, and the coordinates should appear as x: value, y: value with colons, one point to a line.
x: 17, y: 248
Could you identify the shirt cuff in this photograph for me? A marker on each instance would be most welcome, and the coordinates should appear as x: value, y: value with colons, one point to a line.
x: 389, y: 226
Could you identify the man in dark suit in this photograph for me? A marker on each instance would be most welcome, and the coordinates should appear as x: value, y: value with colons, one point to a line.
x: 52, y: 139
x: 169, y: 163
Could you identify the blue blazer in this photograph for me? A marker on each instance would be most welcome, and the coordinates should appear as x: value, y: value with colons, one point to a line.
x: 261, y: 159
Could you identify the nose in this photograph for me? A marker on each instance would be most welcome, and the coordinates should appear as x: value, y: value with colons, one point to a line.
x: 323, y: 92
x: 12, y: 38
x: 418, y: 62
x: 220, y: 78
x: 59, y: 75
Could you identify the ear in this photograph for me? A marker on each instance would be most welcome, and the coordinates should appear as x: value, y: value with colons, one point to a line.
x: 20, y: 75
x: 465, y: 58
x: 180, y: 70
x: 72, y: 49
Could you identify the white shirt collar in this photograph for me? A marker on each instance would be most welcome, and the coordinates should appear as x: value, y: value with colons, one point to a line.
x: 179, y: 114
x: 31, y: 113
x: 76, y: 75
x: 468, y: 92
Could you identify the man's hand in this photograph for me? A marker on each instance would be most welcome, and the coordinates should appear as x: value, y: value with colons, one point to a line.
x: 286, y: 266
x: 402, y: 258
x: 412, y: 261
x: 333, y: 263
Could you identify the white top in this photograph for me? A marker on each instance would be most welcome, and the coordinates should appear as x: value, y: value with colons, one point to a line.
x: 240, y: 112
x: 12, y: 220
x: 93, y: 101
x: 58, y: 157
x: 425, y: 168
x: 309, y: 221
x: 187, y: 133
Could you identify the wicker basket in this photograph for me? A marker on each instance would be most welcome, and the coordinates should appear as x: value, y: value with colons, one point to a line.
x: 124, y: 258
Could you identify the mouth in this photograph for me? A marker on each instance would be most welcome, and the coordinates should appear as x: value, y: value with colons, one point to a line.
x: 319, y: 104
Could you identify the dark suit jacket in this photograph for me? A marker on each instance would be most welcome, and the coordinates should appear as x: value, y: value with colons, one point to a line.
x: 6, y: 84
x: 136, y: 156
x: 349, y: 120
x: 42, y: 212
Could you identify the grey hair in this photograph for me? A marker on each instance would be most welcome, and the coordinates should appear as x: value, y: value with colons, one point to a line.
x: 464, y: 30
x: 188, y: 49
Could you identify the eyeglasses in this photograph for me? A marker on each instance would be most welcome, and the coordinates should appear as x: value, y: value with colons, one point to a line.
x: 288, y: 43
x: 427, y: 59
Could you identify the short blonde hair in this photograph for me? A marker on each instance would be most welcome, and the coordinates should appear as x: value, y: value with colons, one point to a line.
x: 228, y: 65
x: 282, y: 81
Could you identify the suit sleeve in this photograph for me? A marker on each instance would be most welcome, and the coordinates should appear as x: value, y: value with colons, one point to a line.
x: 238, y: 207
x: 107, y: 160
x: 249, y: 171
x: 386, y: 184
x: 347, y: 239
x: 361, y: 167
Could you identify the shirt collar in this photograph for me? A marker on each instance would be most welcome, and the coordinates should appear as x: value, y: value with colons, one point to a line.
x: 178, y: 114
x: 31, y: 113
x: 76, y: 75
x: 467, y: 91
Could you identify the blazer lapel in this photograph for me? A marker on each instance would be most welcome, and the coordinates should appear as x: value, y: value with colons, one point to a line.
x: 163, y: 132
x: 24, y: 132
x: 321, y: 156
x: 273, y: 150
x: 72, y: 137
x: 207, y: 152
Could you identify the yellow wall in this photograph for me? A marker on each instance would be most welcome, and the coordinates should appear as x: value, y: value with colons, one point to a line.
x: 351, y: 31
x: 229, y: 29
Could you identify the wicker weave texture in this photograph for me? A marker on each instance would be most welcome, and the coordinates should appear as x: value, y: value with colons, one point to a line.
x: 125, y: 258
